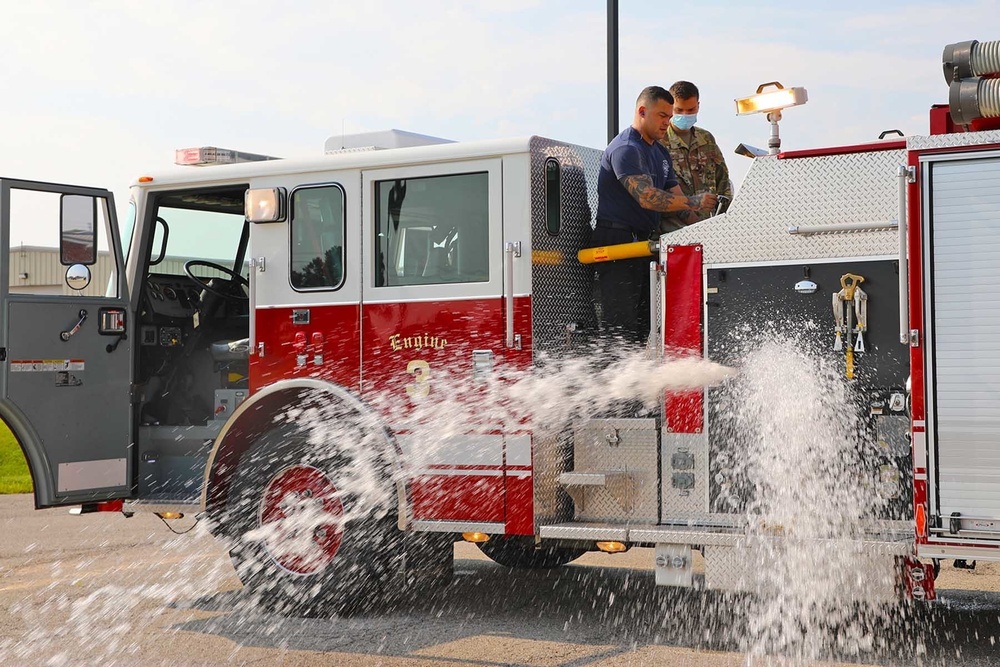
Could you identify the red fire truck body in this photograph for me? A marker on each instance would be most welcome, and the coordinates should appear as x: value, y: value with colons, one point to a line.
x: 312, y: 355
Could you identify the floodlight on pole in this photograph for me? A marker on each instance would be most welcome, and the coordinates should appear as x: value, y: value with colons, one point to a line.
x: 770, y: 99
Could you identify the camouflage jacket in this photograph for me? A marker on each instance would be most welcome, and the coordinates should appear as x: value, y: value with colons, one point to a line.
x: 700, y: 168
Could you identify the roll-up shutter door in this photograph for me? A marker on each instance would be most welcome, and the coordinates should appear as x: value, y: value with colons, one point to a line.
x: 965, y: 237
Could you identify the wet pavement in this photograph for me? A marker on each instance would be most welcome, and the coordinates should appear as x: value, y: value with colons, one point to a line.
x: 102, y: 589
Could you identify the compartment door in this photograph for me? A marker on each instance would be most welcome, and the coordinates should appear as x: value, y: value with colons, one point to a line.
x: 962, y: 223
x: 65, y: 374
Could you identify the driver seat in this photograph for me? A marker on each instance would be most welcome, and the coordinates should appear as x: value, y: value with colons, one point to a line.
x: 231, y: 357
x: 226, y: 351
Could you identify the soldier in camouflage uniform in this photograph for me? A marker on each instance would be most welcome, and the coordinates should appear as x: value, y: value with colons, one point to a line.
x: 698, y: 162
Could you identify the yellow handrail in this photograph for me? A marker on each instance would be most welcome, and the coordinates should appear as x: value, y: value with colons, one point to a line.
x: 618, y: 251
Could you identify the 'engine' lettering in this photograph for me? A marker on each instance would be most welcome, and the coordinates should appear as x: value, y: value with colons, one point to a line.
x: 418, y: 342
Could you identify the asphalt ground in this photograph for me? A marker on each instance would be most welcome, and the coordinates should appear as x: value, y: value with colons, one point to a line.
x: 100, y: 589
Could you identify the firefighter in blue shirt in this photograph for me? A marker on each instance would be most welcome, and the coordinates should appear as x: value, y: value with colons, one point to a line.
x: 635, y: 185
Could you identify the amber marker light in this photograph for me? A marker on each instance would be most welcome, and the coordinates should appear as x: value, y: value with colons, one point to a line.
x: 145, y: 179
x: 476, y: 538
x: 921, y: 520
x: 612, y: 547
x: 170, y: 515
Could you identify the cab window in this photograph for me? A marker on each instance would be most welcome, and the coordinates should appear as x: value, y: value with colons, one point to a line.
x: 40, y: 254
x: 317, y: 238
x: 432, y: 230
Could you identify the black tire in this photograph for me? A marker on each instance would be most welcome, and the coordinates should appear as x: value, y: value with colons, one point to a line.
x: 521, y: 553
x: 309, y: 534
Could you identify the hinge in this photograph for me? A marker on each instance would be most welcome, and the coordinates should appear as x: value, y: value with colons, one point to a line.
x: 134, y: 393
x: 514, y: 247
x: 914, y: 337
x: 911, y: 174
x: 259, y: 263
x: 3, y: 354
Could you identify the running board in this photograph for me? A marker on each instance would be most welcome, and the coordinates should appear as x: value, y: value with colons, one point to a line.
x: 642, y: 534
x: 889, y: 542
x: 431, y: 526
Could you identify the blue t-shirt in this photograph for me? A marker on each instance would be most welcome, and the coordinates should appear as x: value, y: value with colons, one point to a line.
x: 629, y: 155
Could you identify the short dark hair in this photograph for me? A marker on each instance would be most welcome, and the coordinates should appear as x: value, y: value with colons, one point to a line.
x: 652, y: 95
x: 684, y: 90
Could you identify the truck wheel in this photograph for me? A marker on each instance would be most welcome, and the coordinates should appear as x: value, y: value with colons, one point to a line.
x: 307, y: 539
x: 521, y: 553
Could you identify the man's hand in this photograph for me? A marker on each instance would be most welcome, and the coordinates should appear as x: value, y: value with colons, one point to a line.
x: 704, y: 202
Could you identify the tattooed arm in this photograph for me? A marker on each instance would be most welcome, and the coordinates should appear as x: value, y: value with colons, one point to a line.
x: 649, y: 197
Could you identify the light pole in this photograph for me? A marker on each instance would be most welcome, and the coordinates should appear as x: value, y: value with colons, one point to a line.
x: 612, y: 69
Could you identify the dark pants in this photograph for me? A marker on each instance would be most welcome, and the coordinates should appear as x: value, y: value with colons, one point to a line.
x: 624, y: 288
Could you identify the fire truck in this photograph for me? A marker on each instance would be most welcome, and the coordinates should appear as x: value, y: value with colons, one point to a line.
x: 308, y: 353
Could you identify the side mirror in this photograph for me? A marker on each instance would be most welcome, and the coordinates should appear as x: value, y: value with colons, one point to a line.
x: 78, y: 277
x: 77, y: 230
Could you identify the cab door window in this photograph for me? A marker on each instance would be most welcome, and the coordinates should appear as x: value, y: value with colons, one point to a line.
x: 432, y: 230
x: 317, y: 238
x: 44, y: 243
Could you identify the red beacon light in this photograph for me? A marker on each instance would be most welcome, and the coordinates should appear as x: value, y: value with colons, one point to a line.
x: 205, y: 156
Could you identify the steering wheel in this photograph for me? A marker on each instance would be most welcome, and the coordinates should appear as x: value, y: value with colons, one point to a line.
x: 234, y: 278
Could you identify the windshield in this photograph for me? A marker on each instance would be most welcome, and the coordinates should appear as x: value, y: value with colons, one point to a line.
x: 190, y: 234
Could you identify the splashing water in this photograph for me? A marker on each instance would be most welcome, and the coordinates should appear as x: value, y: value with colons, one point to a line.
x: 794, y: 438
x: 808, y: 470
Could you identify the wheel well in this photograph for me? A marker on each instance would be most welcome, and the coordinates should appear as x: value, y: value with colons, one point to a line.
x: 27, y: 440
x: 286, y: 402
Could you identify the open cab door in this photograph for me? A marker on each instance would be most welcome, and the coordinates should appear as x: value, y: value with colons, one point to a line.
x: 64, y: 341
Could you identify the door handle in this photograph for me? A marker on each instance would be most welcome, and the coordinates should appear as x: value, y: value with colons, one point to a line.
x: 66, y: 335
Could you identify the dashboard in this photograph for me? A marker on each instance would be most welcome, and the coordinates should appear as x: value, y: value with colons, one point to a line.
x: 172, y: 296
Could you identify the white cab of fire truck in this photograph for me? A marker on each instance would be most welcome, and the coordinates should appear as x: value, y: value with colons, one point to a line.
x: 268, y: 343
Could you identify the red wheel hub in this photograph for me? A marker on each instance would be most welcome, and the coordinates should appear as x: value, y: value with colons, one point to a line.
x: 301, y: 517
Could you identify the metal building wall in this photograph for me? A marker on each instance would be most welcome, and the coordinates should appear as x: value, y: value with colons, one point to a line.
x: 36, y: 270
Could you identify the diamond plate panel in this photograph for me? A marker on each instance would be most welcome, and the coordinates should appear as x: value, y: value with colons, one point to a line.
x: 685, y: 475
x: 738, y: 567
x: 589, y: 532
x: 562, y: 288
x: 949, y: 140
x: 618, y: 445
x: 551, y: 455
x: 822, y: 190
x: 562, y: 308
x: 728, y: 568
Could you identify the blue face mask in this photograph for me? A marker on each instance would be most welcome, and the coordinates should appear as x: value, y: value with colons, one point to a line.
x: 685, y: 121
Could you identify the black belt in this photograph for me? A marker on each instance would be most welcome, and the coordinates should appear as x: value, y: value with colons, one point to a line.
x: 637, y: 235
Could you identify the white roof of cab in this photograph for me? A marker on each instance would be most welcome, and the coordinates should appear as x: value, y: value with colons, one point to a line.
x: 381, y: 139
x: 368, y: 159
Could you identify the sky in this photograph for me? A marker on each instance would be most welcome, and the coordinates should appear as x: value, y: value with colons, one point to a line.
x: 98, y: 93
